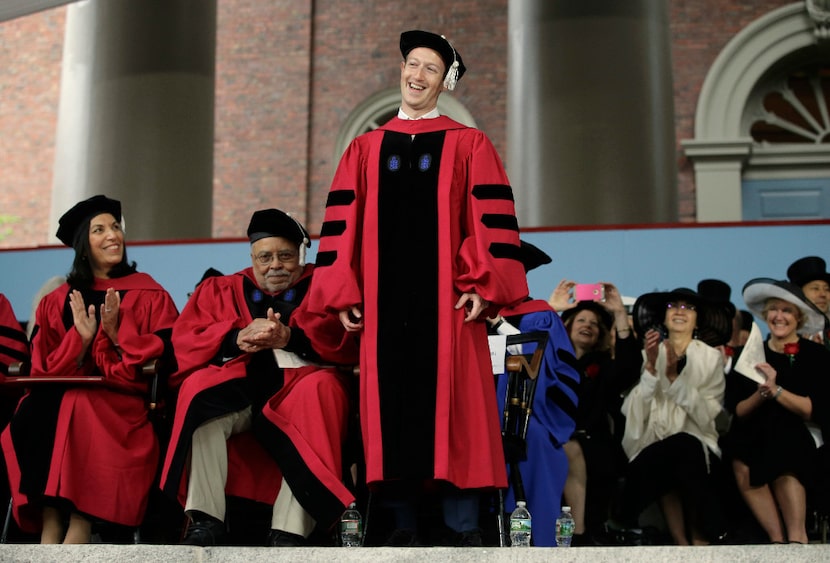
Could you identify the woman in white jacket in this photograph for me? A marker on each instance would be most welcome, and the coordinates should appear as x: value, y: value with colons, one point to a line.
x: 670, y: 436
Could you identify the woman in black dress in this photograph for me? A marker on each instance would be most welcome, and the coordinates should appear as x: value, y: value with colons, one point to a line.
x: 773, y: 453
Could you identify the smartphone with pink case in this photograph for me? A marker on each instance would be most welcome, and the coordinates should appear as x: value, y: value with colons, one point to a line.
x: 589, y: 292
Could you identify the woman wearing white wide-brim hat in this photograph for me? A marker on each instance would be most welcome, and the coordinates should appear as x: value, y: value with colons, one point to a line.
x: 773, y: 453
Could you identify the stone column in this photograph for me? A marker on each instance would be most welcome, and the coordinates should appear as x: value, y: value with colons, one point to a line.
x: 590, y: 112
x: 135, y: 117
x: 719, y: 167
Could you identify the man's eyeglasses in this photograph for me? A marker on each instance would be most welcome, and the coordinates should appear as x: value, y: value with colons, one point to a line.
x: 266, y: 258
x: 683, y: 306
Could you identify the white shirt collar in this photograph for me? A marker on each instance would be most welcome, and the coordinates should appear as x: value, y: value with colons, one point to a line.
x: 429, y: 115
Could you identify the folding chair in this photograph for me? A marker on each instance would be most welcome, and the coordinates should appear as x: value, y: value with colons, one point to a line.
x: 522, y: 372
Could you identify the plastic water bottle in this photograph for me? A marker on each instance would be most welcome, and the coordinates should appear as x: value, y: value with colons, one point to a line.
x: 351, y: 527
x: 564, y: 527
x: 520, y: 526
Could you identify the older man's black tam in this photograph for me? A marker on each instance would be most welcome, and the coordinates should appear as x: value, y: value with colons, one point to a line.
x: 417, y: 38
x: 275, y: 223
x: 83, y: 211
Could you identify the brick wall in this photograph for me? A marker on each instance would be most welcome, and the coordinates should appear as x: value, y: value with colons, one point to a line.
x: 700, y: 31
x: 356, y: 53
x: 288, y: 74
x: 263, y: 62
x: 31, y: 49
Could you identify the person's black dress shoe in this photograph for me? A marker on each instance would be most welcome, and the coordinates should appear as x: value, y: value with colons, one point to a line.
x: 403, y: 537
x: 205, y: 533
x: 280, y: 538
x: 470, y: 538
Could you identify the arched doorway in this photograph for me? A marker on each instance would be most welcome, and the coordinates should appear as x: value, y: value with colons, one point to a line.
x: 761, y: 148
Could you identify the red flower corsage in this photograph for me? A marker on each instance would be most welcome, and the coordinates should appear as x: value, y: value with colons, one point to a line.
x: 591, y: 371
x: 791, y: 349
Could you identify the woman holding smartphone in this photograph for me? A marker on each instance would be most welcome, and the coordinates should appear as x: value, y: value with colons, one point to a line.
x: 608, y: 358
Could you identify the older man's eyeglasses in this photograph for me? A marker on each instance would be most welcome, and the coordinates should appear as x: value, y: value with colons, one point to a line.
x: 674, y: 305
x: 266, y: 258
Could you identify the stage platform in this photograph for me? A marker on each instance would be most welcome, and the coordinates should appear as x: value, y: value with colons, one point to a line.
x: 22, y: 553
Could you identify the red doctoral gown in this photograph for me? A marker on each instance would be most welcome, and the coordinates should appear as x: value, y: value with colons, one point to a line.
x: 14, y: 346
x: 93, y: 446
x: 412, y: 223
x: 304, y: 419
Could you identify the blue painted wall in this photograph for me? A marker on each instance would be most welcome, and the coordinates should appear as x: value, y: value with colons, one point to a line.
x: 636, y: 260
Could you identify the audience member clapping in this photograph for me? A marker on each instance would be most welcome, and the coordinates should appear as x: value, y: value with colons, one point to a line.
x: 772, y: 450
x: 78, y: 454
x: 670, y: 436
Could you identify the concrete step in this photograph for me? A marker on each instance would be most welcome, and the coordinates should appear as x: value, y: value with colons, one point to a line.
x: 20, y: 553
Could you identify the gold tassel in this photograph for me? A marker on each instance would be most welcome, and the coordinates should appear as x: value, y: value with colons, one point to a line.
x: 451, y: 79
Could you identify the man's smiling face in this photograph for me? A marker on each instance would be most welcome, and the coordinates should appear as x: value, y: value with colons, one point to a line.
x: 422, y: 81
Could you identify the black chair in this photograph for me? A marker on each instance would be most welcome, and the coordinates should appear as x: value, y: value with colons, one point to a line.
x: 522, y: 372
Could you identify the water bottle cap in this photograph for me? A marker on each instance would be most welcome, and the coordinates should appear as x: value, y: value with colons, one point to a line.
x: 566, y: 509
x: 521, y: 503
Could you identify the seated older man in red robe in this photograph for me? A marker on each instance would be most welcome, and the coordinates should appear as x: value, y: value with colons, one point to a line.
x: 251, y: 356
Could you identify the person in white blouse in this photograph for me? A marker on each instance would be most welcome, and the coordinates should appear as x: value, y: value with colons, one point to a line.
x: 670, y: 436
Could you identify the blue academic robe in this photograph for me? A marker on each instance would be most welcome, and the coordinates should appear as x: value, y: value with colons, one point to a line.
x: 552, y: 419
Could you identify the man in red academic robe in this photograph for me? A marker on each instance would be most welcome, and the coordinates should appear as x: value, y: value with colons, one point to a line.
x: 247, y: 349
x: 420, y: 238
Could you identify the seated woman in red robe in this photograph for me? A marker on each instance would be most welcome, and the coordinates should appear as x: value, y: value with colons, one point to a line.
x: 86, y: 453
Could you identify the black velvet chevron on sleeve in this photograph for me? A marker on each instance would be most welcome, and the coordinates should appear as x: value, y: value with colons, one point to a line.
x: 325, y: 258
x: 561, y: 400
x: 493, y: 191
x: 505, y: 250
x: 500, y: 221
x: 340, y: 198
x: 332, y: 228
